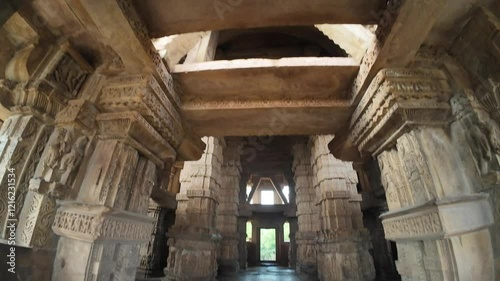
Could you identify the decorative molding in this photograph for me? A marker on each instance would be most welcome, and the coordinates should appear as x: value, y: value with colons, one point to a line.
x: 396, y: 101
x: 137, y: 132
x: 98, y: 223
x: 142, y: 35
x: 143, y: 94
x: 80, y: 113
x: 246, y: 104
x: 436, y: 220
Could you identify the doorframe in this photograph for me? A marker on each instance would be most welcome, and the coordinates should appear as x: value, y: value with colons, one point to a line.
x: 276, y: 243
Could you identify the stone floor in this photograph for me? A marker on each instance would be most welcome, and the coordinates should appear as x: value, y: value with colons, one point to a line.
x: 269, y: 273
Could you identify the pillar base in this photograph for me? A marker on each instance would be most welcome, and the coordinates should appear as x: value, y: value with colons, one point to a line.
x: 228, y: 267
x: 306, y: 269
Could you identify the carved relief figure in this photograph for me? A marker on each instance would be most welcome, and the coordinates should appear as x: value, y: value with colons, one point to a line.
x: 71, y: 160
x: 483, y: 134
x: 55, y: 150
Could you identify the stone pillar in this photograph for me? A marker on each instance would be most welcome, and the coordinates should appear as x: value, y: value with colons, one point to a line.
x: 58, y: 174
x: 227, y: 213
x: 307, y: 211
x: 343, y: 242
x: 101, y: 232
x: 35, y: 91
x: 194, y: 238
x: 435, y: 215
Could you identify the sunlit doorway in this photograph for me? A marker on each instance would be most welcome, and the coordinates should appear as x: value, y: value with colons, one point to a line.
x: 268, y: 245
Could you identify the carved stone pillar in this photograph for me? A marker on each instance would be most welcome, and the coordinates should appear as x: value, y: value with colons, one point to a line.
x: 35, y: 94
x: 55, y: 176
x: 194, y: 238
x: 435, y: 214
x: 227, y: 212
x: 307, y: 211
x: 342, y: 240
x: 102, y: 231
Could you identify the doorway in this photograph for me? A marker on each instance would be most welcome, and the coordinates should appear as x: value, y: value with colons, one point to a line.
x: 268, y: 245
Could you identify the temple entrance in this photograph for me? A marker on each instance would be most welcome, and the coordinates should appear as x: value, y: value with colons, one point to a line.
x: 267, y: 245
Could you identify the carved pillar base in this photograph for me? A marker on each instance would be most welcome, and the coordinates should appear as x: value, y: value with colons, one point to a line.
x: 98, y: 243
x: 192, y: 258
x: 228, y: 267
x: 307, y: 263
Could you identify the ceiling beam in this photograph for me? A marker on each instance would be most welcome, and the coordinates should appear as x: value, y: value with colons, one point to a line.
x: 168, y: 17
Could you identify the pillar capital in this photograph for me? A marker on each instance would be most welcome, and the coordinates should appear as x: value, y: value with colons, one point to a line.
x: 397, y: 100
x: 134, y: 130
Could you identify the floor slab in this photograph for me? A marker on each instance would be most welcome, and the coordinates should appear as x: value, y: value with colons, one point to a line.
x: 270, y: 273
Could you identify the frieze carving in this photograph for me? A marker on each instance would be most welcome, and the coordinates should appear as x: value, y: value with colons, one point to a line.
x: 436, y: 219
x: 424, y: 225
x: 137, y: 132
x: 399, y: 99
x: 144, y: 95
x: 241, y: 104
x: 100, y: 223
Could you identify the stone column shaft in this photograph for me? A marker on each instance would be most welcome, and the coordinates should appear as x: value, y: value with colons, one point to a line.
x: 307, y: 211
x: 228, y: 211
x: 194, y: 238
x: 343, y: 242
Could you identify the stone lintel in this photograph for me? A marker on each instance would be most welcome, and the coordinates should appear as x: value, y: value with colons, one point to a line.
x: 137, y: 132
x: 439, y: 219
x: 99, y: 223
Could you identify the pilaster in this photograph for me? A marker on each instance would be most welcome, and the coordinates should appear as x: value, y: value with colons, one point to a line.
x: 194, y: 238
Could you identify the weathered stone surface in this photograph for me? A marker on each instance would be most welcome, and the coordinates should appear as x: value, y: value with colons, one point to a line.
x: 194, y: 239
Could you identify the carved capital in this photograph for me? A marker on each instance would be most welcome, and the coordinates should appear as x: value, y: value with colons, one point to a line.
x: 79, y: 113
x: 397, y: 101
x: 134, y: 130
x: 143, y: 94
